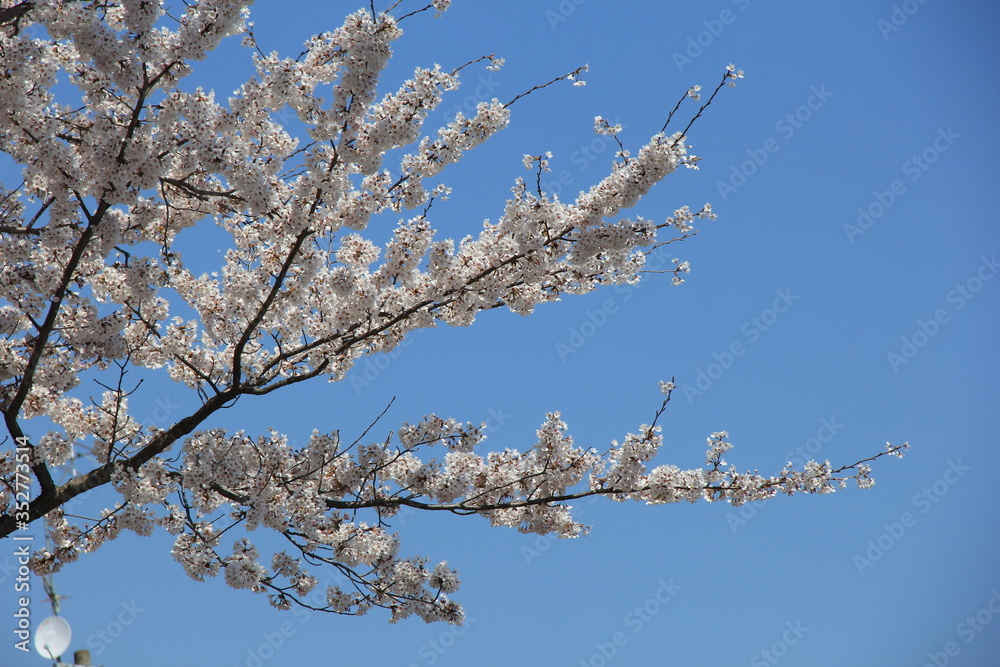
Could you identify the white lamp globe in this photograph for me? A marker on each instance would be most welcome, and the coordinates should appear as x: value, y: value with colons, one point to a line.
x: 52, y: 637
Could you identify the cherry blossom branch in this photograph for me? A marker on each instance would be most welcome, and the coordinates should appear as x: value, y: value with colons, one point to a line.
x: 11, y: 16
x: 729, y: 77
x: 265, y: 306
x: 569, y: 76
x: 301, y: 294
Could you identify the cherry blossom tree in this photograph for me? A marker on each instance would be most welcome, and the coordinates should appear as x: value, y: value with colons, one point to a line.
x: 122, y: 157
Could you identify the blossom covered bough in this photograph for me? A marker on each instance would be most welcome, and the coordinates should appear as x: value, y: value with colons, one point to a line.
x: 92, y: 286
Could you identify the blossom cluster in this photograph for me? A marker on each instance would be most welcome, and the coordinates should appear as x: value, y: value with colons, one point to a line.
x: 314, y: 497
x: 92, y: 285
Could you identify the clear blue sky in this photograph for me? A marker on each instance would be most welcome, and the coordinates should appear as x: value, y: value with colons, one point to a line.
x: 903, y: 126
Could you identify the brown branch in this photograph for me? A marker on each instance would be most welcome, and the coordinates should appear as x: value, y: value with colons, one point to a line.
x: 683, y: 133
x: 11, y: 16
x: 569, y: 76
x: 265, y: 306
x: 200, y: 193
x: 44, y: 332
x: 4, y: 229
x: 45, y: 503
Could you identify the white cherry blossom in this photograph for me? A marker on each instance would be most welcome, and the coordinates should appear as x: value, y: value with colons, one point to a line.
x: 92, y: 285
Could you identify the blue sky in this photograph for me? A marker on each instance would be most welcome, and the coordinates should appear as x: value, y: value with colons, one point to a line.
x: 853, y: 266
